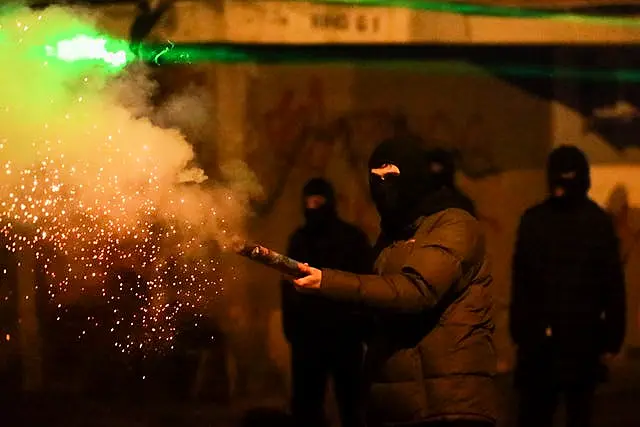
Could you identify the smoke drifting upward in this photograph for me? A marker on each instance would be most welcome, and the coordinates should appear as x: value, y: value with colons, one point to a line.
x: 107, y: 199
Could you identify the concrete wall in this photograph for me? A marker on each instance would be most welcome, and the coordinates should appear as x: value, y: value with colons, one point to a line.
x: 291, y: 123
x: 294, y: 122
x: 323, y: 120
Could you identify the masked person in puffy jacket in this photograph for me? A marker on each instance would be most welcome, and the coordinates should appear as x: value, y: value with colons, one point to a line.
x: 325, y: 336
x: 430, y: 357
x: 568, y: 297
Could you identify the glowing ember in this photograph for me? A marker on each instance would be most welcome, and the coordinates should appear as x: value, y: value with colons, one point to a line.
x: 97, y: 194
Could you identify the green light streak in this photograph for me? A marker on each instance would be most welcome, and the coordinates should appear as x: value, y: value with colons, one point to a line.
x: 82, y: 47
x: 116, y: 54
x: 77, y: 46
x: 194, y: 54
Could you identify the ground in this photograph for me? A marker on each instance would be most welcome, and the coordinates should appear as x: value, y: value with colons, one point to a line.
x: 617, y: 407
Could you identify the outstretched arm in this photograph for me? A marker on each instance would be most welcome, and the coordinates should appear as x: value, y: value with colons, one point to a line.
x: 441, y: 256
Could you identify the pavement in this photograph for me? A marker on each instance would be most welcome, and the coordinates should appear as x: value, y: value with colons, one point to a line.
x: 617, y: 402
x: 618, y: 405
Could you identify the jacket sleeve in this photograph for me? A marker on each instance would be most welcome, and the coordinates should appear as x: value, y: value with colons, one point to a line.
x: 520, y: 274
x: 440, y: 258
x: 614, y: 301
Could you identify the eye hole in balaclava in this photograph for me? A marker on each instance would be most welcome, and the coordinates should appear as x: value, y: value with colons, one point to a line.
x: 319, y: 202
x: 442, y: 167
x: 568, y: 173
x: 384, y: 183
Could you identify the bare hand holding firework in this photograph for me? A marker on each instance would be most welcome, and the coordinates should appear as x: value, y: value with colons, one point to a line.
x: 312, y: 278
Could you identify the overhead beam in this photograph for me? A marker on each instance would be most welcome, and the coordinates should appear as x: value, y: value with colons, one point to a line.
x: 269, y: 21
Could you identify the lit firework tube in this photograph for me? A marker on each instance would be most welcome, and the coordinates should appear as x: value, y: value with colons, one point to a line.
x: 267, y: 257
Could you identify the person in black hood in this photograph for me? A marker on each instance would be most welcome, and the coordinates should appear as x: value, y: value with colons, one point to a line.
x: 567, y: 311
x: 568, y: 176
x: 420, y: 189
x: 430, y: 359
x: 325, y: 337
x: 319, y: 202
x: 443, y: 166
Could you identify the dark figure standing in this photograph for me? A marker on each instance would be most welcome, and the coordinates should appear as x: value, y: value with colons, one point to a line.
x: 430, y: 357
x: 568, y: 298
x: 325, y: 337
x: 443, y: 166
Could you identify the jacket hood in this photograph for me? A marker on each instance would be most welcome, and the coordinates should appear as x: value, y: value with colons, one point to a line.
x: 568, y: 174
x: 319, y: 217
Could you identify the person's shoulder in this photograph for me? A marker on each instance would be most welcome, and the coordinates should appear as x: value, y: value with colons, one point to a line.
x: 455, y: 229
x: 298, y: 233
x: 596, y: 210
x: 536, y: 214
x: 537, y: 209
x: 453, y: 215
x: 349, y: 228
x: 452, y: 218
x: 599, y: 215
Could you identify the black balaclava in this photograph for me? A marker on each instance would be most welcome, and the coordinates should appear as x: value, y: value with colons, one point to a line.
x: 568, y: 171
x: 400, y: 199
x: 319, y: 217
x: 442, y: 165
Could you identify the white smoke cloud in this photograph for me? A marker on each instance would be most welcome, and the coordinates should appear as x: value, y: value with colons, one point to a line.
x: 90, y: 167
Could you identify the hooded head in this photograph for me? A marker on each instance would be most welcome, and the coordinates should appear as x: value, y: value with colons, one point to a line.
x: 442, y: 166
x: 319, y: 202
x: 568, y: 174
x: 400, y: 181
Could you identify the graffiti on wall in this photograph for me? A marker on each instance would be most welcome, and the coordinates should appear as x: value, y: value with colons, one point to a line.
x: 300, y: 130
x: 622, y: 213
x: 469, y: 139
x: 611, y: 105
x: 626, y: 220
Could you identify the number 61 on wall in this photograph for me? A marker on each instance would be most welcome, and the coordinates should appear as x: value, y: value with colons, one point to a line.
x: 364, y: 23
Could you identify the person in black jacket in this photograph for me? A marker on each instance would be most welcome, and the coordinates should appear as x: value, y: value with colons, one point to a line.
x: 568, y: 297
x: 443, y: 169
x: 430, y: 359
x: 324, y: 345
